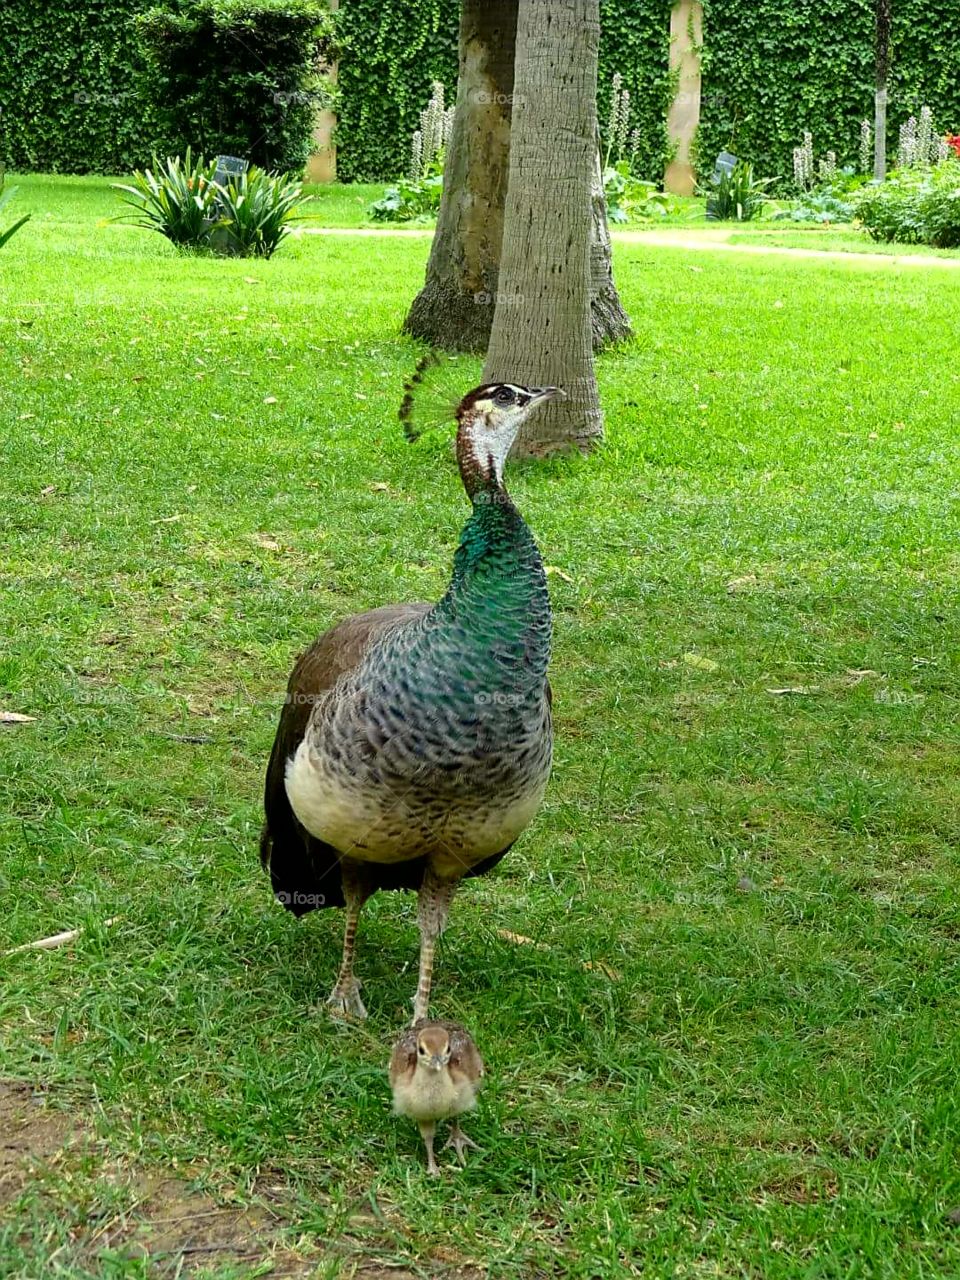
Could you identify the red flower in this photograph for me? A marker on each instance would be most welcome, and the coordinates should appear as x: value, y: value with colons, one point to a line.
x: 953, y: 142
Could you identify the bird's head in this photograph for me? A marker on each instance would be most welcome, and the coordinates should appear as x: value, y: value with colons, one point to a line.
x: 489, y: 418
x: 433, y: 1048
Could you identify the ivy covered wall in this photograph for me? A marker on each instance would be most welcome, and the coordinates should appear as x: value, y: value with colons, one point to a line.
x: 392, y: 50
x: 772, y: 68
x: 75, y: 95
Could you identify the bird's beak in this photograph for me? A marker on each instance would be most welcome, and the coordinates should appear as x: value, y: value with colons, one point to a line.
x: 540, y: 394
x: 436, y: 1062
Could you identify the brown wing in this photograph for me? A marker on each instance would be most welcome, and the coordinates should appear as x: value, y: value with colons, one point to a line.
x: 304, y: 871
x: 403, y: 1059
x: 463, y: 1052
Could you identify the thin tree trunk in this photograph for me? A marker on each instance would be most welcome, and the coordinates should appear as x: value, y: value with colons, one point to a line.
x: 542, y: 323
x: 882, y: 58
x: 454, y: 309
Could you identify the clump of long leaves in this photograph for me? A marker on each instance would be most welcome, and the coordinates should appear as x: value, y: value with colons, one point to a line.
x: 5, y: 198
x: 176, y: 198
x: 247, y: 216
x: 736, y: 195
x: 255, y: 212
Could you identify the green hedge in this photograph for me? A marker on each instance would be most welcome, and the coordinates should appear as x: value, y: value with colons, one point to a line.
x: 75, y: 94
x: 773, y: 68
x: 79, y: 95
x: 239, y: 78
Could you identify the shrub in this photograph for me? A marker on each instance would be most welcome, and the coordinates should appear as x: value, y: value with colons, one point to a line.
x: 630, y: 199
x: 915, y: 207
x: 246, y: 216
x: 408, y: 201
x: 735, y: 194
x: 240, y: 76
x: 255, y: 212
x: 822, y: 206
x: 5, y: 198
x: 176, y: 198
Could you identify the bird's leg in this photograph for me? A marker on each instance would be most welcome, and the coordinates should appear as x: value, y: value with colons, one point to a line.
x: 345, y: 996
x: 427, y: 1129
x: 432, y: 909
x: 459, y: 1141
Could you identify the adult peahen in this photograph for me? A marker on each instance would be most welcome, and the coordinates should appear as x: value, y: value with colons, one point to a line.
x: 415, y: 741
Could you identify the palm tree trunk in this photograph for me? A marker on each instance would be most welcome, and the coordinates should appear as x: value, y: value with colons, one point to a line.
x: 542, y: 323
x: 454, y: 309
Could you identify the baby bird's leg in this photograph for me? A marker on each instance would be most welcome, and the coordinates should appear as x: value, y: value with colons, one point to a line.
x: 345, y: 996
x: 432, y: 910
x: 427, y: 1129
x: 459, y: 1141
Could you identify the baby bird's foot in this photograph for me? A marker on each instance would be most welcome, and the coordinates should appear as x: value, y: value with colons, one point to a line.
x: 344, y: 1000
x: 459, y: 1141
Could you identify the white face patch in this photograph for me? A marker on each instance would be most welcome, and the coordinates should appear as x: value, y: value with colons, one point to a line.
x: 492, y: 442
x: 495, y: 426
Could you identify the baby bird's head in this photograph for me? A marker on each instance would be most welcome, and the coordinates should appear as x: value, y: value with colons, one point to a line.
x: 433, y: 1048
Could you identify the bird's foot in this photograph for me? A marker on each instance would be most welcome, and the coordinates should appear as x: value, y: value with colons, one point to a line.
x: 344, y: 1000
x: 459, y: 1141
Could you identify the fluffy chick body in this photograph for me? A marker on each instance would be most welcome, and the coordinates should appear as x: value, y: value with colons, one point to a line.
x: 435, y: 1074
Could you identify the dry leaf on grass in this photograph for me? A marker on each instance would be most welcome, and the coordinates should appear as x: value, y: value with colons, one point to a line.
x: 854, y: 675
x: 600, y: 966
x: 55, y: 940
x: 14, y: 717
x: 520, y: 941
x: 552, y: 571
x: 799, y: 689
x: 264, y: 540
x: 700, y: 663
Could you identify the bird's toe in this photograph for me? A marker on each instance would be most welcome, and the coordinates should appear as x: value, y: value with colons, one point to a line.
x: 460, y: 1142
x: 344, y: 1001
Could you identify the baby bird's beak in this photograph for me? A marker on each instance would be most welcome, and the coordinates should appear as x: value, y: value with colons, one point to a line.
x: 436, y: 1062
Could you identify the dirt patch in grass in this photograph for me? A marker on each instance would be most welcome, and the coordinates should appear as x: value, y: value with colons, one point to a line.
x: 28, y: 1133
x: 163, y: 1219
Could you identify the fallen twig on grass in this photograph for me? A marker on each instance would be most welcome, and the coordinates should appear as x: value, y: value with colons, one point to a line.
x: 55, y: 940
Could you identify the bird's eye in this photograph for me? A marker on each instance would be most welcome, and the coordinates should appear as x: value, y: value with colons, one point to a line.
x: 504, y: 396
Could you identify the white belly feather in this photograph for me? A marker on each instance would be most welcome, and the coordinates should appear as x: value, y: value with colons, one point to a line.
x: 381, y: 825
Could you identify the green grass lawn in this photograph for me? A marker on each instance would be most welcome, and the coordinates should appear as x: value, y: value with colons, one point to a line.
x: 734, y: 1050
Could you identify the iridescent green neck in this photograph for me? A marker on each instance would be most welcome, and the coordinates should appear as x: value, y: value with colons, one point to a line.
x: 498, y: 591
